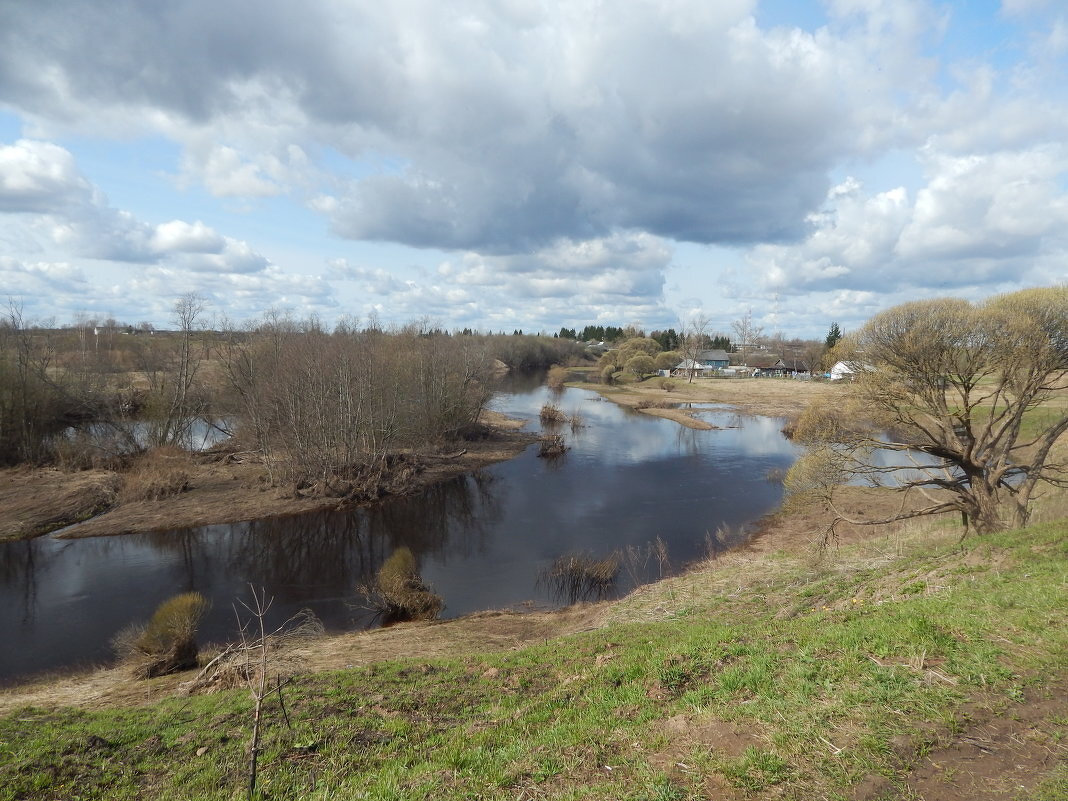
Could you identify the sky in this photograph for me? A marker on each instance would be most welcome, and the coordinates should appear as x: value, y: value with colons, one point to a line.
x: 529, y: 164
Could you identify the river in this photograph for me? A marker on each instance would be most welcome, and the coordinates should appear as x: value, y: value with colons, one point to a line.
x: 483, y: 541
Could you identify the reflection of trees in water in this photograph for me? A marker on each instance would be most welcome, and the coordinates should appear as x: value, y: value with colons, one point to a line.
x: 520, y: 382
x: 19, y: 565
x: 335, y: 551
x: 452, y: 518
x: 690, y: 441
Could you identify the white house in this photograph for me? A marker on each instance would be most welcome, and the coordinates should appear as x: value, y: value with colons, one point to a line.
x: 847, y: 370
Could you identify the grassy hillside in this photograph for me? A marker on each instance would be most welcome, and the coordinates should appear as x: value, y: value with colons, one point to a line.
x: 907, y: 667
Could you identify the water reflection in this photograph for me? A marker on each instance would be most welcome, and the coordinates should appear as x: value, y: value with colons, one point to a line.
x: 481, y: 540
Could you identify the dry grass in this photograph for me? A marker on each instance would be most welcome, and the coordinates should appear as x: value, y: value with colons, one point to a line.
x: 168, y: 642
x: 158, y: 473
x: 552, y: 446
x: 398, y: 592
x: 581, y: 577
x: 235, y: 665
x: 551, y: 414
x: 34, y: 502
x: 557, y: 377
x: 769, y: 397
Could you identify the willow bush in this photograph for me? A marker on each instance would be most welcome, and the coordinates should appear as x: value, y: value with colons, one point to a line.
x: 167, y: 643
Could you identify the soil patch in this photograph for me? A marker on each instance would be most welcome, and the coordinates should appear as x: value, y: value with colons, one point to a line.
x: 36, y: 501
x: 1001, y: 754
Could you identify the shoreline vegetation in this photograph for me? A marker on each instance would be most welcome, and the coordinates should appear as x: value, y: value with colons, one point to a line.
x: 221, y: 486
x: 97, y: 438
x: 897, y: 660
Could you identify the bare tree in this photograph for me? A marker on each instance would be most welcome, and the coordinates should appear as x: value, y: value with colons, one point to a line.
x: 171, y: 366
x: 694, y: 341
x: 960, y: 393
x: 747, y: 332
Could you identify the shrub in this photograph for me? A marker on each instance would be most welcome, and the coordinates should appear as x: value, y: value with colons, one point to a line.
x: 640, y: 364
x: 552, y: 446
x: 167, y: 643
x: 608, y: 373
x: 158, y: 473
x: 550, y: 413
x: 667, y: 384
x: 557, y: 377
x: 398, y: 592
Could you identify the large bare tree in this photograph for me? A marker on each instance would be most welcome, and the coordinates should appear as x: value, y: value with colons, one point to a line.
x: 968, y: 397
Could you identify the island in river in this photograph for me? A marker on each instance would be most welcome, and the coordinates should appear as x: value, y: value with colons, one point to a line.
x: 226, y: 488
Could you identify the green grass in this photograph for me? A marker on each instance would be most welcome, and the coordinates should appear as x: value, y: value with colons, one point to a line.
x: 825, y: 669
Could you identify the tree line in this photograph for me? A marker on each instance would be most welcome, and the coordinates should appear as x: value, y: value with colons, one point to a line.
x: 316, y: 405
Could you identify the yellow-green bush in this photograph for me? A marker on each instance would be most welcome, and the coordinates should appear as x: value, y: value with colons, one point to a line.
x: 167, y: 643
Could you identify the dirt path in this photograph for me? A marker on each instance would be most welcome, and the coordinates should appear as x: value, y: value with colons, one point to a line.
x: 996, y: 757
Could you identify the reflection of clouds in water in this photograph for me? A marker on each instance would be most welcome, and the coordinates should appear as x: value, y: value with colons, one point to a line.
x: 758, y: 436
x: 902, y: 467
x: 481, y: 540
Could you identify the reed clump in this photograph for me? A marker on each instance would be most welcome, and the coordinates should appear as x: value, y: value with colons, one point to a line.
x: 581, y: 577
x: 551, y: 414
x: 168, y: 642
x: 398, y: 592
x: 552, y: 446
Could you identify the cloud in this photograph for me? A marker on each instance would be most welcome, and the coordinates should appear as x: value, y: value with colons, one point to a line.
x: 226, y: 173
x: 535, y: 160
x: 38, y: 177
x: 513, y: 124
x: 41, y: 179
x: 64, y: 284
x: 979, y: 220
x: 371, y: 280
x: 180, y: 236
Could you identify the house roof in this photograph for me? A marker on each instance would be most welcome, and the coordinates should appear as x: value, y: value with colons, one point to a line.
x: 713, y: 356
x: 688, y: 364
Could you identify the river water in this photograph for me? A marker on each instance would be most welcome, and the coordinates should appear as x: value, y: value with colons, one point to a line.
x: 483, y: 541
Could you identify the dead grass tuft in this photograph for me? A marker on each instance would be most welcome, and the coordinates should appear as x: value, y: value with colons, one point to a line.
x: 398, y: 592
x: 158, y: 473
x: 552, y: 446
x: 581, y: 577
x: 551, y: 413
x: 167, y: 643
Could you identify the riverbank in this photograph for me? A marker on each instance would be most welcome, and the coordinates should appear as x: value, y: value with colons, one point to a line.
x: 799, y: 533
x: 898, y: 662
x: 219, y: 489
x: 89, y: 503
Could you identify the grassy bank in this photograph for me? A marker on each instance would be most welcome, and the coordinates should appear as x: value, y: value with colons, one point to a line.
x: 859, y: 675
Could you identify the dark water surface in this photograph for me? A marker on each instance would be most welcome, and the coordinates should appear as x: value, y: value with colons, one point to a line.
x: 481, y: 540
